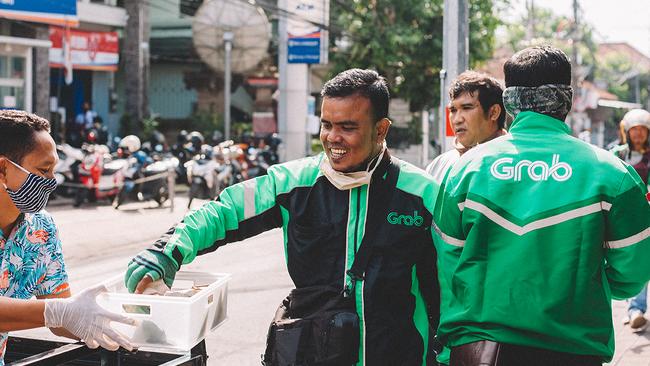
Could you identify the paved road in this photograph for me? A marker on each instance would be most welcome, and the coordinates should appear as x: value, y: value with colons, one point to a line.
x: 631, y: 349
x: 99, y: 241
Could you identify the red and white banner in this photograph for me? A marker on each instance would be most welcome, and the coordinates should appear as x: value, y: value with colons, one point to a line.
x: 88, y: 50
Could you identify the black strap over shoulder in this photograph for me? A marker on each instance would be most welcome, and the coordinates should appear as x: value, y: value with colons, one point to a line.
x: 384, y: 190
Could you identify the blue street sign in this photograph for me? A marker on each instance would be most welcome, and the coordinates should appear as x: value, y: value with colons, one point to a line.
x: 304, y: 51
x: 40, y: 11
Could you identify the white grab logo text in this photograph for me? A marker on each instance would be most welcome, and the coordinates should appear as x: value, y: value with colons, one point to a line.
x: 537, y: 170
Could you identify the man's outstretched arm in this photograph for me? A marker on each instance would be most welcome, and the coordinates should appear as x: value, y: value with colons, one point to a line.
x: 241, y: 211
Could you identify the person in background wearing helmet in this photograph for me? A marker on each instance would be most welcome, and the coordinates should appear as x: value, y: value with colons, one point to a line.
x: 197, y: 140
x: 636, y: 152
x: 100, y: 131
x: 181, y: 141
x: 180, y: 151
x: 129, y: 145
x: 31, y: 257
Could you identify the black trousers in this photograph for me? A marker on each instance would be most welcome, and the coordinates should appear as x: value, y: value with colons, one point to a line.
x: 488, y: 353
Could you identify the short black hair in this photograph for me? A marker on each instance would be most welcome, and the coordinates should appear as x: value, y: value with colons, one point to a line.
x: 17, y: 130
x: 365, y: 83
x: 536, y: 66
x: 490, y: 92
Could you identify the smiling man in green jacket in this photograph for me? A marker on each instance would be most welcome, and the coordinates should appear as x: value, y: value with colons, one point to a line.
x: 326, y: 205
x: 541, y: 231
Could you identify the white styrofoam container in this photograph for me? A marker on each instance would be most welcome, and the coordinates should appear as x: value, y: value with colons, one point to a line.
x: 166, y: 323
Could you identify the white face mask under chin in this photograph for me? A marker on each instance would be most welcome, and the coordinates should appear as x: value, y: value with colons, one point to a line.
x: 344, y: 181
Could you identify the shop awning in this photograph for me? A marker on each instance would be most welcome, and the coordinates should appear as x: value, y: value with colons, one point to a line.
x: 618, y: 104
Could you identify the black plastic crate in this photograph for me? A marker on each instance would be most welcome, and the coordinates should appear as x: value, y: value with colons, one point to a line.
x: 26, y: 351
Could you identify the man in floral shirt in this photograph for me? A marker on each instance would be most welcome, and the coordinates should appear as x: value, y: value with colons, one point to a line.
x: 31, y: 259
x: 32, y: 262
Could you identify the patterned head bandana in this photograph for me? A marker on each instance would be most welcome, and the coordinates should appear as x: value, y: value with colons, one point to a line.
x: 551, y: 99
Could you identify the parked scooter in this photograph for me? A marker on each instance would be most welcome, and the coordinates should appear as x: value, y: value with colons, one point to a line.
x: 146, y: 179
x: 257, y: 165
x: 202, y: 175
x: 183, y: 152
x: 101, y: 176
x: 66, y: 171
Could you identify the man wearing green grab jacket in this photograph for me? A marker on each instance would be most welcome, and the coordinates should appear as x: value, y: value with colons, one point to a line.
x: 326, y: 205
x: 541, y: 231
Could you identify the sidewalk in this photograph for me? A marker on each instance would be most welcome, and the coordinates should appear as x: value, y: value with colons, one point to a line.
x: 631, y: 349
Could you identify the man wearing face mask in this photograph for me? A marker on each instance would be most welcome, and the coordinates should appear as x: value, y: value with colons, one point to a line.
x: 477, y: 115
x: 31, y: 260
x: 545, y: 230
x: 333, y: 207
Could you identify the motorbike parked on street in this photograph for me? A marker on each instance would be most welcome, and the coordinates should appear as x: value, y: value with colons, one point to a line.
x: 202, y: 175
x: 100, y: 175
x: 146, y: 179
x: 66, y: 171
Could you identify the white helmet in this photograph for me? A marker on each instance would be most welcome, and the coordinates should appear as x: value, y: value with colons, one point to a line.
x: 131, y: 143
x: 636, y: 117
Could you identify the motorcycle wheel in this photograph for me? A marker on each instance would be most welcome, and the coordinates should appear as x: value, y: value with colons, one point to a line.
x: 195, y: 191
x: 79, y: 197
x: 92, y: 195
x: 161, y: 196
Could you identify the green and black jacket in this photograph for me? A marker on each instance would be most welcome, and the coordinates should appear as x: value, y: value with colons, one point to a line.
x: 323, y: 227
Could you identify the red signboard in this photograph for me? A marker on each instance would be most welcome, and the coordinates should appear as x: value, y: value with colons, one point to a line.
x: 449, y: 131
x: 88, y: 50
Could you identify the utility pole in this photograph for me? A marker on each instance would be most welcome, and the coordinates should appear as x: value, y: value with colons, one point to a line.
x: 41, y: 92
x: 283, y: 78
x: 227, y: 43
x: 455, y: 56
x: 136, y: 62
x: 293, y: 86
x: 575, y: 77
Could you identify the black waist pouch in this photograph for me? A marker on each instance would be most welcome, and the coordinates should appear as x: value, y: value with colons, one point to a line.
x: 314, y: 326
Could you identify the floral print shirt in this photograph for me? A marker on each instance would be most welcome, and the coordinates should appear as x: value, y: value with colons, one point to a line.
x: 31, y: 262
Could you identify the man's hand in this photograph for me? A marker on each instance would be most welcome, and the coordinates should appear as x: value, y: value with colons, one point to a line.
x: 143, y: 284
x: 83, y: 317
x: 146, y: 267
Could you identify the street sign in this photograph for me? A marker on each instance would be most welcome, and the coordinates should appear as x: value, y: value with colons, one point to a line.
x: 59, y: 12
x: 307, y: 40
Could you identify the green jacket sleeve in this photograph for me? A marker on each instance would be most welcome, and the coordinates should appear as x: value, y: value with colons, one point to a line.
x: 241, y: 211
x: 628, y: 238
x: 447, y: 216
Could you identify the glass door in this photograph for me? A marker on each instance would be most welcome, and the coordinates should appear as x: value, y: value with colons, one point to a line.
x: 12, y: 81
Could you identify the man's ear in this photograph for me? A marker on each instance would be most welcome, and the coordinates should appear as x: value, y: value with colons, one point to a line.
x: 382, y: 129
x: 3, y: 169
x: 494, y: 112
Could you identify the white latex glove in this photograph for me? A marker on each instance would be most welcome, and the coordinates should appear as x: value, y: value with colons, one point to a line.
x: 83, y: 317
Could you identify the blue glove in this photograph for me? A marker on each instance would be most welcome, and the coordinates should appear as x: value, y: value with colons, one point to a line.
x: 150, y: 263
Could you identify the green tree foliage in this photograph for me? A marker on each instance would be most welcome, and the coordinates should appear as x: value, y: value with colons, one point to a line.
x: 612, y: 71
x: 402, y: 40
x: 620, y: 74
x: 553, y: 29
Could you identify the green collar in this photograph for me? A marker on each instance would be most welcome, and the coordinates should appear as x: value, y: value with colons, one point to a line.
x: 529, y: 120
